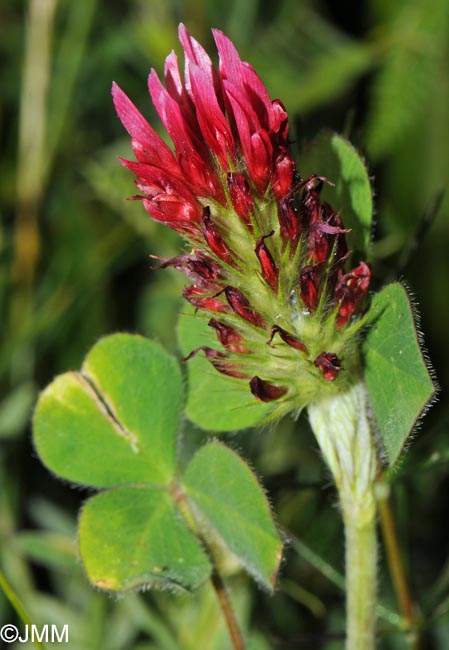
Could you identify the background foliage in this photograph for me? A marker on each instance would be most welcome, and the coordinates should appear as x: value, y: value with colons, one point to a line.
x: 74, y: 266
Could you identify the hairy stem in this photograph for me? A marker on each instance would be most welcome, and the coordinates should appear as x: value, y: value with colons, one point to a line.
x: 361, y: 567
x: 217, y: 582
x: 341, y: 426
x: 396, y: 565
x: 228, y: 611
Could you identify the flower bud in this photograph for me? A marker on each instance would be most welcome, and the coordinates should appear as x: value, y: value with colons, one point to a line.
x: 288, y: 221
x: 240, y: 194
x: 290, y: 339
x: 329, y: 364
x: 284, y: 169
x: 228, y: 336
x: 350, y: 291
x: 241, y: 307
x: 269, y: 270
x: 197, y: 298
x: 264, y: 391
x: 309, y: 283
x: 214, y: 238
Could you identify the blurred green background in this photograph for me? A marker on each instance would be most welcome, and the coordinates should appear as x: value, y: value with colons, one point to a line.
x: 74, y: 265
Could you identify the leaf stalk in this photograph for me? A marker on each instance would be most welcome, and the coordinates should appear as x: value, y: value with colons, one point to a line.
x: 217, y: 582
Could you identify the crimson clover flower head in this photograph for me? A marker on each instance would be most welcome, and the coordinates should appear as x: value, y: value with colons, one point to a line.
x: 268, y: 257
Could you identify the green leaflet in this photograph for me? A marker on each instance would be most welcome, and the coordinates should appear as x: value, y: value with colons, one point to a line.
x: 332, y: 156
x: 215, y: 402
x: 116, y: 422
x: 396, y: 375
x: 143, y: 383
x: 223, y: 489
x: 133, y: 537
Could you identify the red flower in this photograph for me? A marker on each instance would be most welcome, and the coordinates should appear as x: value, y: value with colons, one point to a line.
x: 269, y: 270
x: 329, y: 364
x: 212, y: 119
x: 288, y: 338
x: 264, y: 391
x: 166, y: 197
x: 242, y: 307
x: 198, y: 298
x: 350, y: 291
x: 309, y: 284
x: 228, y: 336
x: 268, y: 256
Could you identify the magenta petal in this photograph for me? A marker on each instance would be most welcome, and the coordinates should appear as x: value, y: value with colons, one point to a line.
x: 214, y: 126
x: 229, y: 57
x: 242, y: 76
x: 241, y: 108
x: 147, y: 140
x: 279, y: 123
x: 176, y: 89
x: 240, y: 73
x: 172, y: 76
x: 170, y: 114
x: 282, y: 180
x: 183, y: 131
x: 191, y: 152
x: 261, y: 154
x: 194, y: 53
x: 256, y: 93
x: 255, y: 143
x: 161, y: 187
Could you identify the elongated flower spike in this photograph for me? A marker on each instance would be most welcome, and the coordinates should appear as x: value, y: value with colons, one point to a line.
x: 268, y: 256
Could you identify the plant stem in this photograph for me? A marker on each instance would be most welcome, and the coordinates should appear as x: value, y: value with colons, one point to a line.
x: 228, y: 611
x: 341, y: 426
x: 395, y: 563
x: 218, y: 585
x: 361, y: 567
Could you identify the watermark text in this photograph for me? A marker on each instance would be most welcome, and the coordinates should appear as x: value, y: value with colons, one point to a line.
x: 34, y: 633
